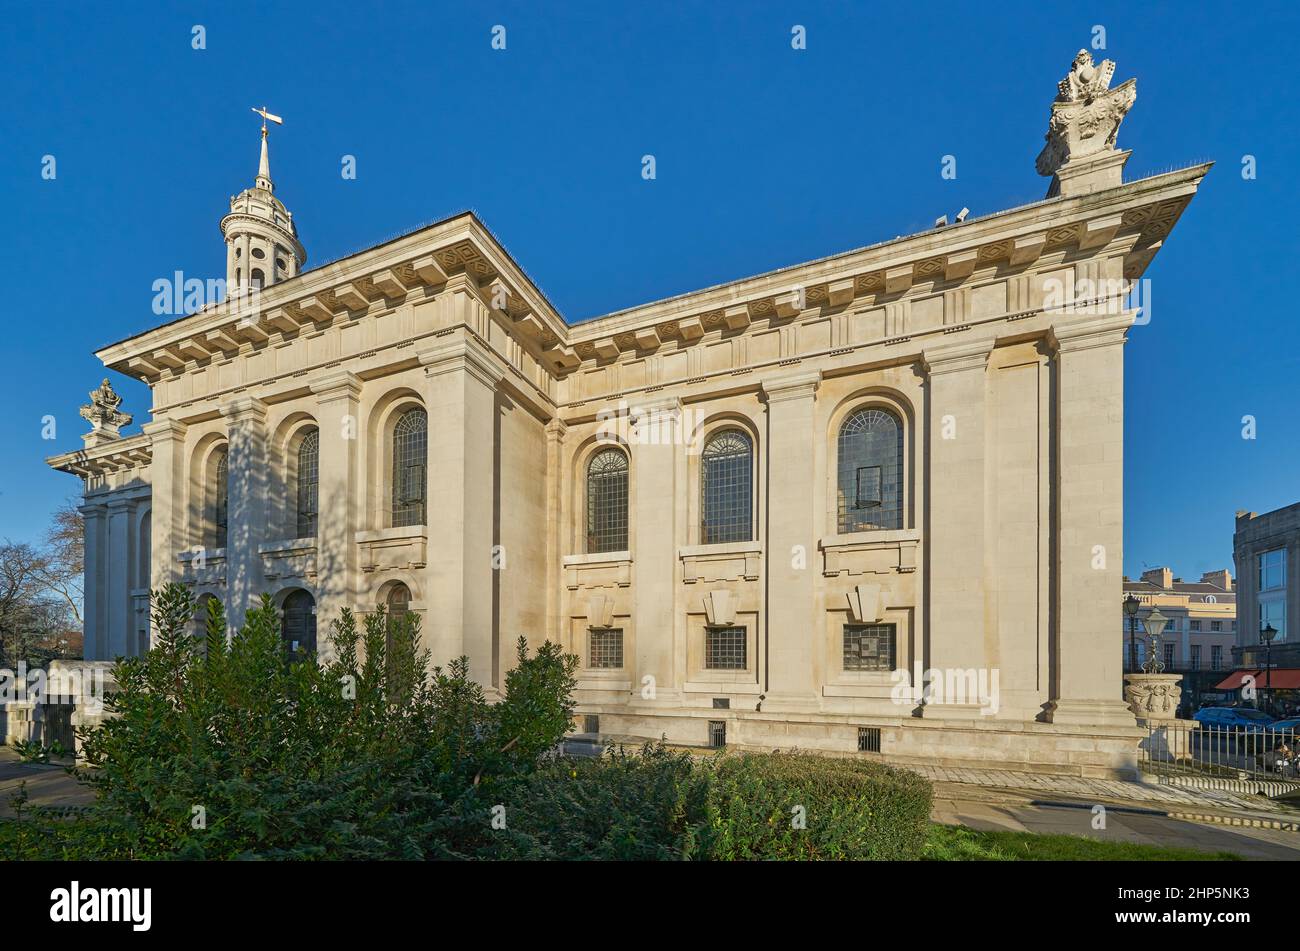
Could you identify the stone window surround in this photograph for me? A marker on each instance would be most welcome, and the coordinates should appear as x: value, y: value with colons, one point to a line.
x: 901, y: 408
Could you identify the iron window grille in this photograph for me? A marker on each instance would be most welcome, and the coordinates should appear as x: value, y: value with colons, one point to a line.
x: 591, y: 723
x: 607, y: 501
x: 869, y: 646
x: 724, y: 648
x: 870, y: 471
x: 868, y: 739
x: 717, y: 734
x: 308, y: 483
x: 299, y: 626
x: 221, y: 502
x: 410, y: 455
x: 605, y: 648
x: 726, y: 488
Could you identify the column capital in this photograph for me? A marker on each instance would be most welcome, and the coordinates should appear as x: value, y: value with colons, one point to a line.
x: 655, y: 410
x: 342, y: 384
x: 164, y: 428
x: 957, y: 357
x: 1108, y: 331
x: 465, y: 355
x: 92, y: 509
x: 556, y: 430
x: 118, y: 506
x: 243, y: 409
x: 792, y: 386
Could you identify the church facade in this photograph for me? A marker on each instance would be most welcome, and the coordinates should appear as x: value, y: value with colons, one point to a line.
x: 766, y: 513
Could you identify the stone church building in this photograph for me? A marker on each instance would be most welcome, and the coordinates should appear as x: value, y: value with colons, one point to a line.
x: 761, y: 513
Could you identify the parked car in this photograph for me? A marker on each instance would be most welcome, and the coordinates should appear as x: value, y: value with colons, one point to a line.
x: 1242, y: 719
x: 1288, y: 727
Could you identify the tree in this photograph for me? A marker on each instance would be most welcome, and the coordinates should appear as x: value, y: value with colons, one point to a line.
x: 64, y: 565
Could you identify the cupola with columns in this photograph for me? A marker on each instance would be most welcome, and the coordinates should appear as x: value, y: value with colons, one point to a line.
x: 262, y: 246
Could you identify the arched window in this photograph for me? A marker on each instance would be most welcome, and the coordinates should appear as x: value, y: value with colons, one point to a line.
x: 410, y: 451
x: 607, y: 501
x: 258, y: 278
x: 299, y: 628
x: 308, y: 483
x: 398, y: 604
x: 220, y: 500
x: 726, y: 488
x: 870, y: 473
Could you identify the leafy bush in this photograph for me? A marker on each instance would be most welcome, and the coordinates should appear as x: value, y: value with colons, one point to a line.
x: 664, y: 805
x: 799, y: 806
x: 222, y: 748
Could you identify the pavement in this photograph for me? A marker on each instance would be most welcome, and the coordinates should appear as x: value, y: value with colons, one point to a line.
x: 47, y: 785
x: 988, y: 809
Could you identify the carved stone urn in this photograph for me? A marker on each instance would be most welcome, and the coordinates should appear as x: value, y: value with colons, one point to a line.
x: 1153, y: 696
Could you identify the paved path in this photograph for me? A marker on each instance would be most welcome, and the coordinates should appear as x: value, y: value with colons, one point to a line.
x: 984, y: 808
x: 46, y: 785
x: 1102, y: 790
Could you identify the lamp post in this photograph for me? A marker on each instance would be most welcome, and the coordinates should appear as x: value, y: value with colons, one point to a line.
x: 1155, y: 624
x: 1131, y: 605
x: 1266, y: 635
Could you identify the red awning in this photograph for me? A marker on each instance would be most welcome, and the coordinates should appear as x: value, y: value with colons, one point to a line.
x: 1283, y: 678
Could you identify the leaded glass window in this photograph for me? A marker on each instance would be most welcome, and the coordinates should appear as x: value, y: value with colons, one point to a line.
x: 220, y: 501
x: 868, y: 647
x: 724, y: 648
x: 870, y: 476
x: 607, y: 501
x: 605, y: 648
x: 726, y: 488
x: 308, y: 483
x: 410, y: 452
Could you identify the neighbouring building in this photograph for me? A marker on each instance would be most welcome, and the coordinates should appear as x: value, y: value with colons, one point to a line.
x: 1201, y: 631
x: 751, y: 510
x: 1266, y: 549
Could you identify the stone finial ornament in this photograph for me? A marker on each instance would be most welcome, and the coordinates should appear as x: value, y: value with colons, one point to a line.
x: 1080, y: 152
x: 102, y: 413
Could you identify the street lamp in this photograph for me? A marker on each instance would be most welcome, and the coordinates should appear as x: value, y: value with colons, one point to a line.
x: 1131, y: 605
x: 1266, y: 635
x: 1155, y: 624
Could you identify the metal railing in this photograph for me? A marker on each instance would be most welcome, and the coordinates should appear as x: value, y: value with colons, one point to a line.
x: 1184, y: 752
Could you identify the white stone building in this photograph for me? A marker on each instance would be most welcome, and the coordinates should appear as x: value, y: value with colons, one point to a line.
x: 744, y: 508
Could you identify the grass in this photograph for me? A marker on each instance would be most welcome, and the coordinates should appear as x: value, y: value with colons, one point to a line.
x: 960, y: 844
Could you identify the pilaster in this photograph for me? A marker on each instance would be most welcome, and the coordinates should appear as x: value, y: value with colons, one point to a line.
x: 339, y: 491
x: 793, y: 613
x: 956, y: 479
x: 656, y: 432
x: 247, y: 494
x: 118, y: 564
x: 95, y: 628
x: 461, y: 377
x: 1089, y: 366
x: 167, y: 519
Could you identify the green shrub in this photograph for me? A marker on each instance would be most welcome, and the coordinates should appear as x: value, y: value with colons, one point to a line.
x: 664, y: 805
x: 223, y: 748
x: 800, y: 806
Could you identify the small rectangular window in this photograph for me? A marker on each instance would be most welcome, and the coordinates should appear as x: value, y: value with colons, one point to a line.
x: 591, y: 723
x: 1216, y: 626
x: 605, y: 648
x: 717, y: 734
x: 724, y: 648
x: 868, y: 739
x: 869, y: 646
x: 721, y: 703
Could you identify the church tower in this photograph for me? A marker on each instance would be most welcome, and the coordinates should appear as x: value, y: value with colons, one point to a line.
x: 262, y: 246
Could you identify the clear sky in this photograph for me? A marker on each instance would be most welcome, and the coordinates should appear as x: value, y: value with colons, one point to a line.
x: 766, y: 156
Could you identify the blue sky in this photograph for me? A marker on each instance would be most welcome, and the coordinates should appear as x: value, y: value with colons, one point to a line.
x: 773, y: 156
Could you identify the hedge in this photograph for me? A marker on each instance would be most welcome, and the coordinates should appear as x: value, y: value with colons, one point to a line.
x: 664, y: 805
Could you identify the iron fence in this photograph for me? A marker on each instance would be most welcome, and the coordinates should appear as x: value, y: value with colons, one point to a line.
x: 1200, y: 753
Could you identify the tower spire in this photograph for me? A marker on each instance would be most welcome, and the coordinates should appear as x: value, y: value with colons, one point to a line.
x: 262, y: 246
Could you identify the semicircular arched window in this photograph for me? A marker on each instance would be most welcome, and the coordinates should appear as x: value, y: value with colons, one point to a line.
x: 220, y: 500
x: 607, y: 501
x: 870, y: 471
x: 726, y: 488
x: 308, y: 483
x: 410, y: 454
